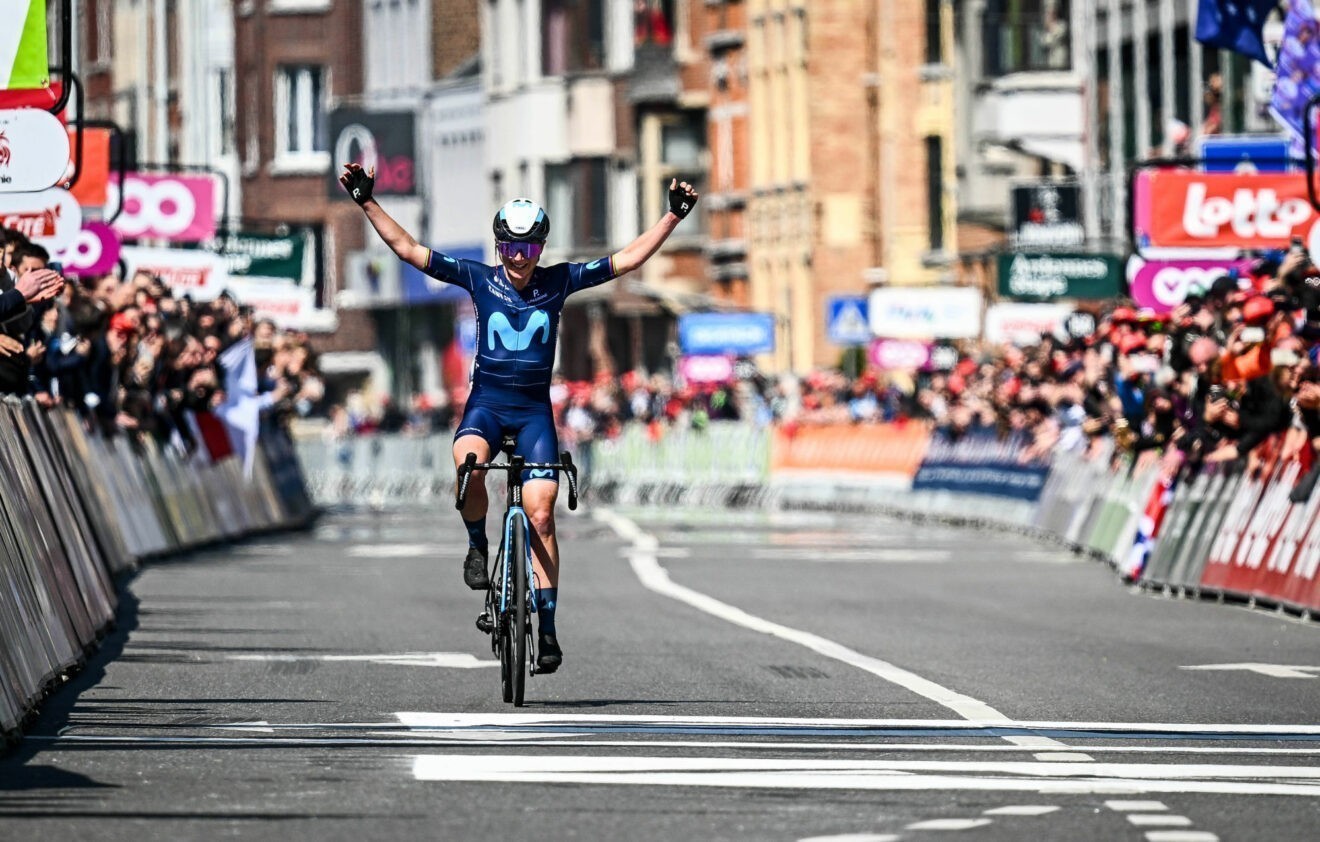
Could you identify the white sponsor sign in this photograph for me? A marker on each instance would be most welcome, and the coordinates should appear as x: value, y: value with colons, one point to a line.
x: 201, y: 274
x: 926, y: 312
x: 1022, y: 324
x: 34, y: 150
x: 289, y: 306
x: 51, y: 218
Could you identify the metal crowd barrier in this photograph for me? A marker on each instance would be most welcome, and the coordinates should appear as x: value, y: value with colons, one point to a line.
x: 77, y: 510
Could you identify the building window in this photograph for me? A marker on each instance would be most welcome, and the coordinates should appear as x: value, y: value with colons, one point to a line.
x: 577, y: 202
x: 934, y: 53
x: 653, y: 22
x: 224, y: 78
x: 935, y: 191
x: 1026, y: 35
x: 572, y: 36
x: 300, y: 118
x: 682, y: 157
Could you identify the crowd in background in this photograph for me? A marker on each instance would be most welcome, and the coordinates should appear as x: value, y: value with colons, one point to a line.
x: 131, y: 356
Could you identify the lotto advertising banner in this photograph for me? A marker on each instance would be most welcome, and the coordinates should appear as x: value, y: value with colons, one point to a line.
x: 51, y: 218
x: 980, y: 464
x: 192, y: 272
x: 1225, y: 210
x: 1162, y: 285
x: 34, y: 150
x: 1049, y: 277
x: 177, y: 208
x: 1268, y: 546
x: 95, y: 251
x: 893, y: 449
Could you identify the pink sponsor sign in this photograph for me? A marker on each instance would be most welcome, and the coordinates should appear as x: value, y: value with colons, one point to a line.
x: 1163, y: 284
x: 700, y: 368
x: 177, y: 208
x: 95, y: 251
x: 899, y: 354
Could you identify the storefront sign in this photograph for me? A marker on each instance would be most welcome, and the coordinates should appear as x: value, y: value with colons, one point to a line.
x: 1163, y: 284
x: 1023, y: 324
x: 1046, y: 277
x: 1210, y: 210
x: 95, y: 251
x: 34, y: 150
x: 1047, y: 214
x: 377, y: 140
x: 900, y: 355
x: 177, y: 208
x: 926, y: 312
x: 193, y: 272
x: 51, y: 218
x: 726, y: 333
x: 261, y: 255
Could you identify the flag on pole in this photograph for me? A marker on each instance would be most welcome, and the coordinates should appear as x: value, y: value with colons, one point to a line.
x: 1235, y: 25
x: 1295, y: 81
x: 24, y: 62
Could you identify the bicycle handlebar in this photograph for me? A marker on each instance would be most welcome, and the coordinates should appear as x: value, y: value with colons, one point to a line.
x: 471, y: 464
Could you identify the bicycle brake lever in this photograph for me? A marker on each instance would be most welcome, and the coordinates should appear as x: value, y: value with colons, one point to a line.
x: 570, y: 470
x: 464, y: 476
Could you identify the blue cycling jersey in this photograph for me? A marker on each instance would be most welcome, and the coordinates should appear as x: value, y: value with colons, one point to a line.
x: 517, y: 330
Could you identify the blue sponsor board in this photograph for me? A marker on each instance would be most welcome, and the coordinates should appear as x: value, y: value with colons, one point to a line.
x: 1225, y: 153
x: 739, y: 334
x: 980, y: 465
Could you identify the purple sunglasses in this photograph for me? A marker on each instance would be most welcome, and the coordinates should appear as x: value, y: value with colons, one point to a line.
x: 510, y: 250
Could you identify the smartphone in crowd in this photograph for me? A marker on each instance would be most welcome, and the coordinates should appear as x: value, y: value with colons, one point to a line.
x: 1253, y: 335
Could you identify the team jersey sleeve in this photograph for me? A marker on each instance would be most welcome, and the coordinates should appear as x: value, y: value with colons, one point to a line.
x: 587, y: 275
x: 451, y: 270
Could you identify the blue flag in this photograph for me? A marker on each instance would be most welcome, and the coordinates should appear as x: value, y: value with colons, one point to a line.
x: 1295, y: 76
x: 1235, y: 25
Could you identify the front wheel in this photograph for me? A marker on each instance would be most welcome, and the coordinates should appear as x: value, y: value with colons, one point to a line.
x: 518, y: 659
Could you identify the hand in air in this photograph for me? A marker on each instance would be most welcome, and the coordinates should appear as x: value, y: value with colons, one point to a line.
x: 682, y: 198
x: 358, y: 182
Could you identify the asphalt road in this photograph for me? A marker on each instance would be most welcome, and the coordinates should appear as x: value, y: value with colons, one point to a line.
x: 742, y: 676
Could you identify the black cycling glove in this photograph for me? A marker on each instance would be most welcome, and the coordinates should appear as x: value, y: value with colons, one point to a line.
x: 359, y: 185
x: 680, y: 203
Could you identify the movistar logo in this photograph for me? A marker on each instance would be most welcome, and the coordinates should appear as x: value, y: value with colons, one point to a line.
x: 517, y: 340
x: 593, y: 264
x: 540, y: 473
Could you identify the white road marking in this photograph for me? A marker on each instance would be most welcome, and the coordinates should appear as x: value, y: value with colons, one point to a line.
x: 853, y: 837
x: 828, y: 556
x: 1158, y: 820
x: 448, y: 660
x: 653, y: 576
x: 1135, y: 806
x: 795, y: 773
x: 394, y: 550
x: 950, y: 824
x: 1023, y: 810
x: 1062, y: 756
x: 1271, y: 670
x: 1180, y: 836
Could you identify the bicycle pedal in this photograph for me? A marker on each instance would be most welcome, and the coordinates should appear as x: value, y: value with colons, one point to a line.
x: 484, y: 623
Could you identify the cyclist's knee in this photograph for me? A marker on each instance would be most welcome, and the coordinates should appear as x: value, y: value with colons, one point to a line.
x: 542, y: 519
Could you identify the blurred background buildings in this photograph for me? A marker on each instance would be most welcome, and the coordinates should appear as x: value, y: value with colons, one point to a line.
x: 841, y: 146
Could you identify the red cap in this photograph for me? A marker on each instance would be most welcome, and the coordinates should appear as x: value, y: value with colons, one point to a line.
x: 1132, y: 342
x: 1123, y: 315
x: 1257, y: 310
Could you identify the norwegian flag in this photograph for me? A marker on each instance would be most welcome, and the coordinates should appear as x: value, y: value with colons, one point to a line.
x: 1161, y: 496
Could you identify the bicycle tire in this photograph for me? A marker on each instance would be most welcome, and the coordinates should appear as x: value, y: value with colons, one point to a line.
x: 518, y: 561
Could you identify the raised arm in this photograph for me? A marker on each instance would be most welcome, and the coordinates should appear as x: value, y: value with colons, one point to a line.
x: 682, y: 198
x: 359, y: 183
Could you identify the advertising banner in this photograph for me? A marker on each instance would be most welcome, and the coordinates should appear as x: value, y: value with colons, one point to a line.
x: 289, y: 306
x: 193, y: 272
x: 926, y: 312
x: 1163, y: 284
x: 1048, y: 277
x: 1220, y: 210
x: 1047, y: 214
x: 900, y: 355
x: 740, y: 334
x: 382, y: 140
x: 1023, y: 324
x: 24, y: 60
x: 95, y: 251
x: 51, y: 218
x: 706, y: 368
x: 894, y: 449
x: 34, y: 150
x: 94, y: 177
x: 177, y: 208
x: 262, y: 255
x: 980, y: 464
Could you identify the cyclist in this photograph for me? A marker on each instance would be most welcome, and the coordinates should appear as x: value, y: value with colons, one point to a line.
x: 517, y: 304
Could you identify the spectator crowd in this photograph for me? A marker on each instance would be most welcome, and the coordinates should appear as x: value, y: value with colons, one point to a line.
x: 130, y: 356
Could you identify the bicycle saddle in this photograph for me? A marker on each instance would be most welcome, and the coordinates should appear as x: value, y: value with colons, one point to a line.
x: 507, y: 444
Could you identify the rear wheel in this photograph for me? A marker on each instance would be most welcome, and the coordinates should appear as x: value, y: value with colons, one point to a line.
x: 518, y: 632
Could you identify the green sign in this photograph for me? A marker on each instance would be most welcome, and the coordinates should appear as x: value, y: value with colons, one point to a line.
x: 1047, y: 277
x: 262, y: 255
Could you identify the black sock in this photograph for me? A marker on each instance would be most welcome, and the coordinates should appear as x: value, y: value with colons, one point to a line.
x: 477, y: 533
